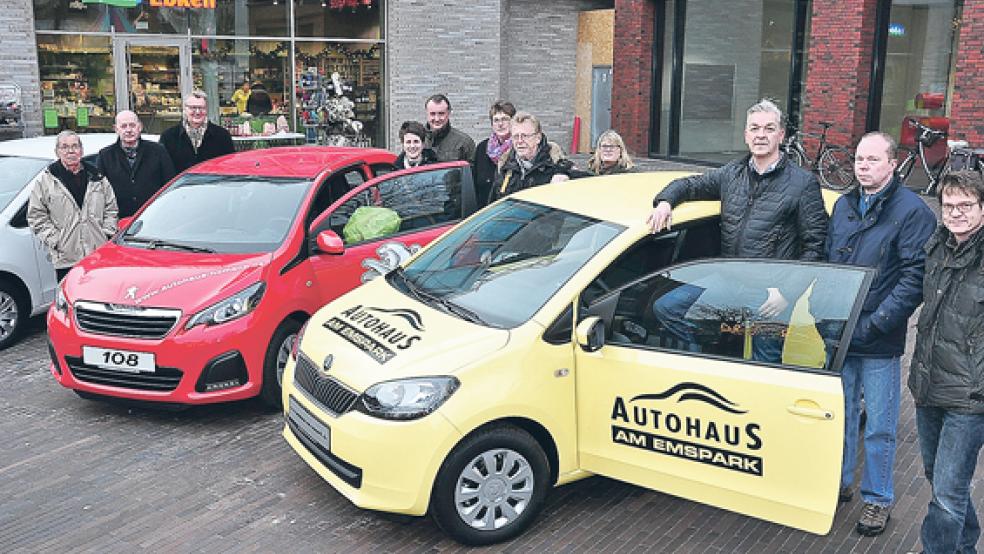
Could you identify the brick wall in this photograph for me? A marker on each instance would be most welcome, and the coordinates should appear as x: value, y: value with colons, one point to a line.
x: 967, y: 103
x: 839, y: 71
x: 632, y: 72
x: 19, y: 59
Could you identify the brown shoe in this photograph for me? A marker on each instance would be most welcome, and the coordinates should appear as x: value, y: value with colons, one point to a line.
x: 873, y: 520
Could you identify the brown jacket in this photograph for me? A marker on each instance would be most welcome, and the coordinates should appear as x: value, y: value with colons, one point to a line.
x: 69, y: 232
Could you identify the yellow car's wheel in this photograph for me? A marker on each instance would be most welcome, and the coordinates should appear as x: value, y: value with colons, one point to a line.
x: 491, y: 486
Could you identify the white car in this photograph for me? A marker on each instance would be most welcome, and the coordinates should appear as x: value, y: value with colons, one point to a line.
x: 27, y: 278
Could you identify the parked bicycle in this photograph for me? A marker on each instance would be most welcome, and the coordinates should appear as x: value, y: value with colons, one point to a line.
x: 833, y: 164
x: 957, y: 156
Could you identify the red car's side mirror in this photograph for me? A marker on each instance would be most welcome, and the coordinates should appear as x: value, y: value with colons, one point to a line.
x: 330, y: 243
x: 124, y: 222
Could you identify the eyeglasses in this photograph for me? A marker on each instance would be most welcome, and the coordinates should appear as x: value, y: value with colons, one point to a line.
x: 196, y: 108
x: 962, y: 208
x: 70, y: 147
x: 610, y: 147
x: 501, y: 119
x: 524, y: 136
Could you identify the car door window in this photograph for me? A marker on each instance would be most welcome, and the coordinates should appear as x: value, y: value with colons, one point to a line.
x: 716, y: 309
x: 400, y: 204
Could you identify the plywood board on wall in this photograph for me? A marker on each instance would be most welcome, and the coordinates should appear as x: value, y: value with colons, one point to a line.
x: 595, y: 30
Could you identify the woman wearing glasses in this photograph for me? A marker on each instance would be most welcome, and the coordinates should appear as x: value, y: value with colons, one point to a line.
x: 491, y: 150
x: 610, y: 156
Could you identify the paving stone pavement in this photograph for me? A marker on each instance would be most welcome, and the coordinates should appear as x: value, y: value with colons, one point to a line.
x: 83, y: 476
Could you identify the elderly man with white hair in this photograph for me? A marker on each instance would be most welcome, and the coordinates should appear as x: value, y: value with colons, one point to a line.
x: 136, y: 168
x: 72, y: 208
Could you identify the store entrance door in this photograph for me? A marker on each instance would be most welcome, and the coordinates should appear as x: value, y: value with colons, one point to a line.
x: 152, y: 75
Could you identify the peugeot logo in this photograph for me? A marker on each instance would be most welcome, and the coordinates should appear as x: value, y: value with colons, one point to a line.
x: 131, y: 294
x: 329, y: 359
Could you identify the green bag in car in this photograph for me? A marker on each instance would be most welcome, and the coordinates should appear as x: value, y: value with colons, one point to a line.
x: 369, y: 222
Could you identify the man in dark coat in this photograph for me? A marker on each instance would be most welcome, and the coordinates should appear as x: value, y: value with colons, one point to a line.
x: 448, y: 143
x: 882, y: 225
x: 136, y: 168
x: 533, y: 160
x: 769, y: 209
x: 195, y: 139
x: 947, y: 373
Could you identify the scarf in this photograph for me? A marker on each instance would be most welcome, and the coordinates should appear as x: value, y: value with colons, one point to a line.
x: 131, y: 154
x: 497, y: 148
x: 195, y: 135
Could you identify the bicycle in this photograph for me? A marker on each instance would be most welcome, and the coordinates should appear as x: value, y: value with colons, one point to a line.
x: 833, y: 164
x: 957, y: 156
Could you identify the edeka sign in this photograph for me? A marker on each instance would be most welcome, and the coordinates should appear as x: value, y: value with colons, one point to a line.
x: 194, y: 4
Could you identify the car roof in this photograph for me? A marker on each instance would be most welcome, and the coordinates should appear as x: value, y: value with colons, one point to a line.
x: 44, y: 147
x: 626, y: 199
x: 297, y: 161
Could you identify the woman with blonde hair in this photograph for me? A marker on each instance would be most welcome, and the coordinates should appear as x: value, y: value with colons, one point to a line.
x: 610, y: 155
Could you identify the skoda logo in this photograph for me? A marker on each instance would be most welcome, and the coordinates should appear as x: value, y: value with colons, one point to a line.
x: 329, y: 359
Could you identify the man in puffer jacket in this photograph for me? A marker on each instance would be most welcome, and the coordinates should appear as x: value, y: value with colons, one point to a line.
x: 533, y: 160
x: 947, y: 373
x: 72, y: 208
x: 770, y: 208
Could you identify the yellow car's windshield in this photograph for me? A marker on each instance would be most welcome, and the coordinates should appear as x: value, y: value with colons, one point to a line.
x: 500, y: 267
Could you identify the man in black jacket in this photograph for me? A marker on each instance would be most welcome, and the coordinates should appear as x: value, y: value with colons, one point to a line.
x: 136, y: 168
x: 947, y: 373
x: 770, y: 208
x: 195, y: 139
x: 532, y: 161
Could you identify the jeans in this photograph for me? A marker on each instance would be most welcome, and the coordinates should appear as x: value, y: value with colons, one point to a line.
x: 950, y: 443
x: 880, y: 379
x: 671, y: 310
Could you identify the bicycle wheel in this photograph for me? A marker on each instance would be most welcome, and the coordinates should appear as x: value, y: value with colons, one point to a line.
x: 836, y: 169
x: 908, y: 161
x: 796, y: 157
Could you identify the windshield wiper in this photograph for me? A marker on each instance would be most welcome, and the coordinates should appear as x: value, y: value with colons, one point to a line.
x: 430, y: 298
x: 154, y: 244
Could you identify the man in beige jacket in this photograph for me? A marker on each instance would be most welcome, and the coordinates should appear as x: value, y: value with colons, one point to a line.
x: 72, y: 207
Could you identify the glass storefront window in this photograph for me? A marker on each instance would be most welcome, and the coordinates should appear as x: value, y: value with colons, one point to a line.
x: 339, y: 94
x: 77, y: 88
x: 74, y: 15
x: 258, y: 18
x: 918, y: 66
x: 220, y: 67
x: 353, y: 19
x: 729, y: 64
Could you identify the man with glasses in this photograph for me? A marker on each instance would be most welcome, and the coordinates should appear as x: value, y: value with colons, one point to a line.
x: 195, y: 139
x: 72, y: 208
x: 946, y: 377
x: 883, y: 225
x: 532, y: 161
x: 448, y: 143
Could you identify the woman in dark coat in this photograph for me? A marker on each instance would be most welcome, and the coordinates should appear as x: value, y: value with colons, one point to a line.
x: 489, y: 151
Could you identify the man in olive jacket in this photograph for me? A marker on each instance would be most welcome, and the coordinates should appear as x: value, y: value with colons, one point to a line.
x: 947, y: 373
x: 770, y: 208
x: 72, y: 209
x: 448, y: 143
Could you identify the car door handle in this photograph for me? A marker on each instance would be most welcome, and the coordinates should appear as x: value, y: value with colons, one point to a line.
x: 816, y: 413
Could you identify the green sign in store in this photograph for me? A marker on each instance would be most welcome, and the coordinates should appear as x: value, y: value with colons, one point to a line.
x: 118, y: 3
x: 82, y: 116
x: 50, y: 118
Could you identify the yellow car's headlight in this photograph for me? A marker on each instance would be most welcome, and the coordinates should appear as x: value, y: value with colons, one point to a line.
x: 405, y: 399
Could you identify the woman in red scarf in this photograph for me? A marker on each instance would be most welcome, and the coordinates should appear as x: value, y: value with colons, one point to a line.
x: 489, y: 151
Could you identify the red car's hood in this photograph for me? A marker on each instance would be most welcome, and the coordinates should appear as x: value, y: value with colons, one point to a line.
x: 160, y: 278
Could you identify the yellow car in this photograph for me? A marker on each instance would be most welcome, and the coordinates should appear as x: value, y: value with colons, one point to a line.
x: 550, y: 337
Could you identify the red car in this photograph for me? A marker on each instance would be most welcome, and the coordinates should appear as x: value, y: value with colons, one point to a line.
x: 198, y: 299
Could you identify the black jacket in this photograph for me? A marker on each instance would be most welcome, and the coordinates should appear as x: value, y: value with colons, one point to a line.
x: 890, y: 238
x: 484, y: 170
x: 217, y: 142
x: 450, y: 144
x: 133, y: 186
x: 548, y: 161
x: 428, y: 155
x: 778, y: 215
x: 947, y: 368
x: 259, y: 102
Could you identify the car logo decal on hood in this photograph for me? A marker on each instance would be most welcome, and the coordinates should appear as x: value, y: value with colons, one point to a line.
x: 378, y: 332
x: 666, y: 423
x: 390, y: 255
x: 326, y: 365
x: 131, y: 293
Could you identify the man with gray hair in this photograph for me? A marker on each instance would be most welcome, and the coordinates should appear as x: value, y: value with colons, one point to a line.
x: 770, y: 208
x: 195, y: 139
x: 136, y: 168
x: 72, y: 208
